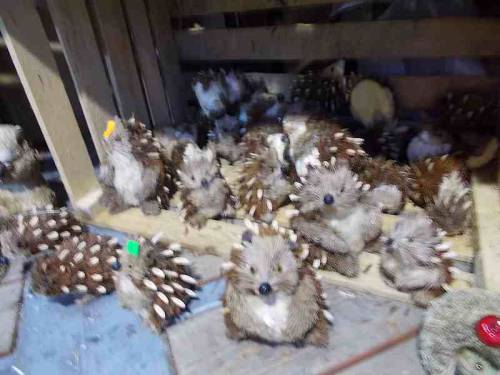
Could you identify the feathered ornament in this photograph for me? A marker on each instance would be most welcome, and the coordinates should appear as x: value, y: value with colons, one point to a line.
x: 336, y: 221
x: 414, y: 259
x: 38, y: 231
x: 270, y: 295
x: 136, y: 172
x: 156, y: 283
x: 204, y: 192
x: 82, y: 265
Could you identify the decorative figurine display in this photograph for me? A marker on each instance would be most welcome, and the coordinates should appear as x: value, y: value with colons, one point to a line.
x: 270, y: 296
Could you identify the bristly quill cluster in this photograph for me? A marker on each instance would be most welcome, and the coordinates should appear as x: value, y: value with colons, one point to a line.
x: 440, y: 186
x: 136, y: 173
x: 314, y: 142
x: 333, y: 217
x: 270, y: 296
x: 38, y: 231
x: 82, y: 265
x: 158, y: 284
x: 204, y: 193
x: 415, y: 259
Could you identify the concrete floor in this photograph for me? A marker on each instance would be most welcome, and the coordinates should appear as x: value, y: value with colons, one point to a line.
x: 103, y: 338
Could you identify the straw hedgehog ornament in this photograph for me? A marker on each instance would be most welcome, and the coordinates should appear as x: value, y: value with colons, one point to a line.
x: 38, y: 231
x: 155, y: 281
x: 440, y: 186
x: 461, y: 334
x: 315, y: 141
x: 334, y: 218
x: 204, y: 193
x: 82, y: 265
x: 136, y: 173
x: 415, y: 260
x: 270, y: 296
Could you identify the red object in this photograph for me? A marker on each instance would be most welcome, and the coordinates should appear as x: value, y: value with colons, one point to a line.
x: 488, y: 330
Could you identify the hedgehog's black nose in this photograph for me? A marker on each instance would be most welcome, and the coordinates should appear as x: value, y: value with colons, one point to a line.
x: 389, y: 242
x: 328, y: 199
x: 265, y: 289
x: 204, y: 183
x: 4, y: 261
x: 116, y: 266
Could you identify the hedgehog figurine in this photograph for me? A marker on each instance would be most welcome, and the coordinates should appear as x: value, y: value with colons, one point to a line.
x: 38, y: 231
x: 316, y: 141
x: 135, y: 173
x: 270, y: 296
x: 12, y: 202
x: 204, y: 193
x: 334, y: 218
x: 82, y: 264
x: 459, y: 332
x: 440, y: 186
x: 414, y: 259
x: 18, y: 161
x: 157, y: 284
x: 428, y: 143
x: 210, y: 93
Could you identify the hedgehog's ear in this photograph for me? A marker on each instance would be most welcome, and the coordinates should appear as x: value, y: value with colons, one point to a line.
x: 247, y: 236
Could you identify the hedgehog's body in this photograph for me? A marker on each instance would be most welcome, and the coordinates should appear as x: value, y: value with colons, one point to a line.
x: 81, y: 265
x: 414, y: 258
x: 335, y: 220
x: 12, y: 202
x: 136, y: 173
x: 270, y: 297
x: 157, y: 284
x: 428, y: 143
x: 18, y: 161
x: 315, y: 141
x: 204, y: 193
x: 38, y: 231
x: 440, y: 186
x: 448, y: 341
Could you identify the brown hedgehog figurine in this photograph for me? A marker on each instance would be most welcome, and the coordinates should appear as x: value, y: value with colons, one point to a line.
x: 82, y: 265
x: 39, y: 230
x: 316, y: 141
x: 415, y: 259
x: 440, y: 186
x: 136, y: 173
x: 156, y: 283
x: 270, y: 296
x: 334, y: 217
x: 387, y: 180
x: 204, y: 193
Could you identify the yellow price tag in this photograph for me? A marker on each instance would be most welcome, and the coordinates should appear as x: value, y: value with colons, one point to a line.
x: 110, y: 128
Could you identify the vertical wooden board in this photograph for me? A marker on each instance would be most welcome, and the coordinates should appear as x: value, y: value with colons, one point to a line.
x: 120, y: 59
x: 148, y: 62
x: 35, y: 64
x: 72, y: 23
x: 169, y: 58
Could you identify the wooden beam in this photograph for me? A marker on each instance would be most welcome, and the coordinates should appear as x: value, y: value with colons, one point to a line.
x: 159, y: 15
x: 36, y: 67
x: 145, y: 53
x: 444, y: 37
x: 72, y: 23
x: 120, y: 59
x: 202, y: 7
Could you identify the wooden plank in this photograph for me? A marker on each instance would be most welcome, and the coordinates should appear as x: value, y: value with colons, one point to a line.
x: 444, y: 37
x: 487, y: 213
x: 74, y: 30
x: 166, y: 48
x: 145, y: 53
x: 36, y: 67
x: 202, y: 7
x: 120, y: 59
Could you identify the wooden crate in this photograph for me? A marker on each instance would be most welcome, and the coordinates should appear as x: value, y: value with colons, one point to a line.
x: 125, y: 58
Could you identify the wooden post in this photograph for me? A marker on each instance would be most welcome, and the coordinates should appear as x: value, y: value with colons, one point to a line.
x: 30, y: 51
x: 159, y: 14
x: 72, y: 23
x: 120, y: 59
x: 148, y: 62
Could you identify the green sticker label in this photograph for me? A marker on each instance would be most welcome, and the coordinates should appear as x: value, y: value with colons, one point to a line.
x: 133, y: 248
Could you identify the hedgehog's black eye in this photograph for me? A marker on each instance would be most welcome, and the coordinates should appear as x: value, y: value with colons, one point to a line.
x: 328, y: 199
x: 192, y: 178
x: 342, y: 189
x: 479, y: 366
x: 279, y: 268
x: 411, y: 239
x: 284, y: 138
x: 252, y: 270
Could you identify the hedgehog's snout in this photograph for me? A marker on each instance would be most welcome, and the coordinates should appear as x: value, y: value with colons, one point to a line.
x: 265, y: 289
x: 204, y: 183
x: 328, y: 199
